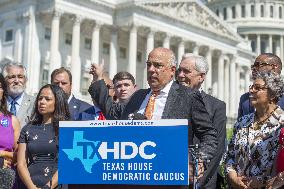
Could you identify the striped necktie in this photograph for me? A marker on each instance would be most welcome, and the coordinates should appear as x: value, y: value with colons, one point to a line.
x: 150, y: 106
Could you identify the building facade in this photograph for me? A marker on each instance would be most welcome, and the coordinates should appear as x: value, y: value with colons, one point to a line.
x: 45, y: 35
x: 259, y: 21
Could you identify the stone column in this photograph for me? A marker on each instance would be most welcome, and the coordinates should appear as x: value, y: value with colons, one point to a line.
x: 208, y: 79
x: 247, y: 78
x: 113, y: 53
x: 276, y: 11
x: 18, y: 43
x: 281, y: 47
x: 247, y: 10
x: 75, y: 57
x: 270, y: 44
x: 55, y: 58
x: 149, y: 48
x: 95, y: 56
x: 257, y: 10
x: 258, y: 44
x: 229, y: 13
x: 167, y: 41
x: 226, y: 89
x: 132, y: 50
x: 180, y: 51
x: 278, y: 48
x: 238, y: 11
x: 237, y: 90
x: 266, y: 10
x: 233, y: 87
x: 195, y: 49
x: 221, y: 77
x: 31, y: 54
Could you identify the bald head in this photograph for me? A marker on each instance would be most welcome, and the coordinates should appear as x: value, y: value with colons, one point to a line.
x: 267, y: 62
x: 160, y: 68
x: 164, y: 53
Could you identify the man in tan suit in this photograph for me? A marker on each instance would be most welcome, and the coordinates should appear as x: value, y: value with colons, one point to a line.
x: 19, y: 102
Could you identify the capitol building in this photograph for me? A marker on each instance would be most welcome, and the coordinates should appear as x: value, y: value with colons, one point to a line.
x: 45, y: 35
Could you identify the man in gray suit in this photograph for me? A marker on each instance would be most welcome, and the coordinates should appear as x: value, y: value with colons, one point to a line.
x: 172, y: 101
x: 19, y: 102
x: 191, y: 73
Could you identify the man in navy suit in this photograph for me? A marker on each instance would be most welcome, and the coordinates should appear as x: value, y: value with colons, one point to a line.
x: 173, y: 101
x: 63, y: 78
x: 192, y: 73
x: 264, y: 62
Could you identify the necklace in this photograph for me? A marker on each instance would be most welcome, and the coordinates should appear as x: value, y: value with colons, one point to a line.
x: 259, y: 123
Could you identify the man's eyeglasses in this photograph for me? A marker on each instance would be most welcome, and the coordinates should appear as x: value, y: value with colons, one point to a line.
x: 13, y: 77
x: 157, y: 65
x: 259, y: 64
x: 257, y: 87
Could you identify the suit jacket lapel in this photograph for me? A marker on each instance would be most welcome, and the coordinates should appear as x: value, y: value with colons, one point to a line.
x: 73, y: 107
x: 139, y: 100
x: 170, y: 100
x: 23, y: 106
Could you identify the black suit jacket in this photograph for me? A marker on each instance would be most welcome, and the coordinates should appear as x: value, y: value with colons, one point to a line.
x: 217, y: 112
x: 182, y: 103
x: 77, y: 106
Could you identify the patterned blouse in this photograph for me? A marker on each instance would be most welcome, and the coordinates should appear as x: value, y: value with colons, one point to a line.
x: 252, y: 152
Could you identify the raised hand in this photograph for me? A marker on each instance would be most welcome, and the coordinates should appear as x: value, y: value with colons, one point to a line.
x: 97, y: 71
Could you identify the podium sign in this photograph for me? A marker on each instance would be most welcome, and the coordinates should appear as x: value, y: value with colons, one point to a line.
x: 124, y: 152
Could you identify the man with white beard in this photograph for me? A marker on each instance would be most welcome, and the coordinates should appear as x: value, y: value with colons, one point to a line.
x: 18, y: 102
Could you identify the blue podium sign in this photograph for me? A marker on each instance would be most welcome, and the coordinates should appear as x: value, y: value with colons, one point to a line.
x: 124, y: 152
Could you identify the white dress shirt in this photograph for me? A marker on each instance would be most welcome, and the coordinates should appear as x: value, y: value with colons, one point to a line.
x: 160, y: 102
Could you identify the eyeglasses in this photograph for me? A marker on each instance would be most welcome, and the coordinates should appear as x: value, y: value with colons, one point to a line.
x: 157, y: 65
x: 13, y: 77
x: 260, y: 64
x: 257, y: 87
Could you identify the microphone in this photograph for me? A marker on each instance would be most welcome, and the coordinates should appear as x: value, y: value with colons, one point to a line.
x: 137, y: 116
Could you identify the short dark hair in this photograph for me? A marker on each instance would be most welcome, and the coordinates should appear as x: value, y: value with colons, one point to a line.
x: 61, y: 110
x: 123, y: 75
x: 59, y: 71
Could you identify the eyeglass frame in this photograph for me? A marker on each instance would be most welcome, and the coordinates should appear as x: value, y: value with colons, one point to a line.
x: 259, y: 88
x: 260, y: 64
x: 156, y: 65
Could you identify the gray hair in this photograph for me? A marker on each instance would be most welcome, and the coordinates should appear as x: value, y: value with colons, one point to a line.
x: 201, y: 64
x: 172, y: 60
x: 9, y: 63
x: 274, y: 83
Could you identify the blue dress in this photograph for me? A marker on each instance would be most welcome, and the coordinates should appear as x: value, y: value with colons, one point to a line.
x: 42, y: 150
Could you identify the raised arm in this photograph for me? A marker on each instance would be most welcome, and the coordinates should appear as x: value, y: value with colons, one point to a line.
x: 100, y: 95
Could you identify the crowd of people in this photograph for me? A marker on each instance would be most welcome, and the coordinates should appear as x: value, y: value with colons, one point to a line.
x: 254, y: 157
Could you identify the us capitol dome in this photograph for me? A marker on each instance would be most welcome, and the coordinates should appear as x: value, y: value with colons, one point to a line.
x: 259, y: 21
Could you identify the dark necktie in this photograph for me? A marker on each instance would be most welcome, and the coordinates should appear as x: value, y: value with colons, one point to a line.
x: 13, y: 109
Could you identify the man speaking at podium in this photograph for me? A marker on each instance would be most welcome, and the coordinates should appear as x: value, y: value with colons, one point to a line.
x: 165, y: 99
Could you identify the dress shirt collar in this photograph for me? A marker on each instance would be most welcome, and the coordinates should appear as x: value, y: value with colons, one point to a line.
x: 166, y: 89
x: 70, y: 97
x: 18, y: 99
